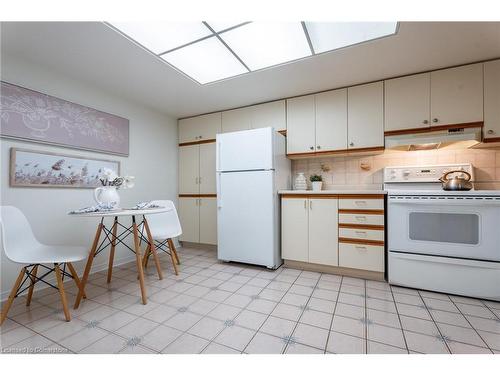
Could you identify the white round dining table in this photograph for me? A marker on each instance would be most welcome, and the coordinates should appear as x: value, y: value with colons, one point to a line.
x: 112, y: 237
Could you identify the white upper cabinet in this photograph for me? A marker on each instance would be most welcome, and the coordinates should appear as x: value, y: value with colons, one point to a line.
x: 300, y: 132
x: 457, y: 95
x: 199, y: 128
x: 407, y: 102
x: 331, y: 120
x: 237, y: 119
x: 189, y: 169
x: 207, y: 168
x: 366, y: 115
x: 269, y: 114
x: 492, y: 99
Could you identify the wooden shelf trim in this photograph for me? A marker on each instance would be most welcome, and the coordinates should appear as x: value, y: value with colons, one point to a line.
x: 361, y: 196
x: 491, y: 140
x: 336, y: 152
x: 316, y: 196
x: 197, y: 142
x: 334, y: 196
x: 360, y: 242
x: 438, y: 128
x: 362, y: 226
x: 197, y: 195
x: 366, y: 212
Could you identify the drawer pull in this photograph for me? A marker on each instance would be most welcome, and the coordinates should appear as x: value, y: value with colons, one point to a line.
x: 360, y: 232
x: 361, y: 248
x: 360, y: 218
x: 360, y: 202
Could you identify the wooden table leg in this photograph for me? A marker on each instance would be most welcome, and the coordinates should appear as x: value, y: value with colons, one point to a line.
x: 145, y: 258
x: 60, y: 286
x: 88, y: 266
x: 140, y: 270
x: 152, y: 249
x: 173, y: 255
x: 112, y: 251
x: 76, y: 278
x: 32, y: 285
x: 12, y: 295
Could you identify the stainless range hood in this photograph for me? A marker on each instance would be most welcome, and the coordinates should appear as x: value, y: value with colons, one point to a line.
x: 457, y: 138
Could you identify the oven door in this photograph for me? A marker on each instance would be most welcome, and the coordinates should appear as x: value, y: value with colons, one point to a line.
x: 450, y: 226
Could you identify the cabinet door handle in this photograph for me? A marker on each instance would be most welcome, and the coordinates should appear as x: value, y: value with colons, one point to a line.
x: 318, y: 147
x: 305, y: 204
x: 310, y: 205
x: 490, y: 131
x: 199, y: 180
x: 196, y: 180
x: 360, y: 218
x: 435, y: 120
x: 200, y: 137
x: 311, y: 148
x: 351, y: 144
x: 425, y: 122
x: 199, y: 201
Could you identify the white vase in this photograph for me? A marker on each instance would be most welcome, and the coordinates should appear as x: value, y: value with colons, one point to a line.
x: 317, y: 185
x: 107, y: 197
x: 300, y: 182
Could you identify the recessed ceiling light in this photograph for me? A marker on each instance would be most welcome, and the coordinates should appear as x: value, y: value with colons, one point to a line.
x: 205, y: 61
x: 327, y: 36
x: 264, y: 44
x: 160, y: 37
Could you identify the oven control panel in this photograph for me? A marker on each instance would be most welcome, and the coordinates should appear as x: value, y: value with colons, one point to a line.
x: 429, y: 173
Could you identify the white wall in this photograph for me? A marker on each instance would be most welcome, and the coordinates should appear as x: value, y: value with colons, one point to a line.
x: 152, y: 159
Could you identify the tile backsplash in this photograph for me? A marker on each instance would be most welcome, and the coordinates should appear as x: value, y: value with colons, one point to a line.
x: 368, y: 170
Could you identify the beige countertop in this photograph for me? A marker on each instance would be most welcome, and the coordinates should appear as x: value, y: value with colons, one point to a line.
x: 335, y: 191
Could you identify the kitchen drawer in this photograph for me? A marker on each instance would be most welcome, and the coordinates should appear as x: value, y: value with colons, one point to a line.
x: 362, y: 234
x: 364, y: 257
x: 361, y: 219
x: 361, y: 204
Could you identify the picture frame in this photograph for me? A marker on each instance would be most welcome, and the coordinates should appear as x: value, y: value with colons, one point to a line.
x: 33, y: 168
x: 32, y: 116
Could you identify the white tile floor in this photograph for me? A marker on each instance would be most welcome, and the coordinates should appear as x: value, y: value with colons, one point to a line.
x: 215, y: 307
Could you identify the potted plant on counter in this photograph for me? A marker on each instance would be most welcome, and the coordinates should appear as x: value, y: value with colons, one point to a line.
x: 316, y: 181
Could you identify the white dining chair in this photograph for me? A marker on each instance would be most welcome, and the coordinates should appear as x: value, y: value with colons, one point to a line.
x: 21, y: 246
x: 164, y: 227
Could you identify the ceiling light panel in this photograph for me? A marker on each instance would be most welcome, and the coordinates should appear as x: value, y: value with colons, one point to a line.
x: 219, y: 26
x: 327, y: 36
x: 160, y: 37
x: 205, y: 61
x: 262, y: 44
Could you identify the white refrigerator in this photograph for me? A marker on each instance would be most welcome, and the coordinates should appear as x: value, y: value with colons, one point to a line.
x: 251, y: 168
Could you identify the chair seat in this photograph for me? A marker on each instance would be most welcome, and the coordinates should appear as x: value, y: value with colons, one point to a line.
x: 51, y: 254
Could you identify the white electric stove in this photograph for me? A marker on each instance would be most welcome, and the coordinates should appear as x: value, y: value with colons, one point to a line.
x: 445, y: 241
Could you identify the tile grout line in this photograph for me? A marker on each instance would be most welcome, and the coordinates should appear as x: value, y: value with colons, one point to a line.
x: 333, y: 314
x: 301, y: 313
x: 437, y: 327
x: 399, y: 318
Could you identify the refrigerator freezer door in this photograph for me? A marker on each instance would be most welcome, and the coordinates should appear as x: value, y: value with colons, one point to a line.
x: 247, y: 218
x: 245, y: 150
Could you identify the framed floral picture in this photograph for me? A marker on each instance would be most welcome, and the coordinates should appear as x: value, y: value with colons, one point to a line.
x: 45, y: 169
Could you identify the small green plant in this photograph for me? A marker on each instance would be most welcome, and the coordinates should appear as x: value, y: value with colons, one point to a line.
x: 315, y: 178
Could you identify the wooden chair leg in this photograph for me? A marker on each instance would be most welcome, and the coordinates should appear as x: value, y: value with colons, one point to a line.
x: 138, y: 259
x: 88, y: 266
x: 60, y: 286
x: 152, y: 249
x: 112, y: 251
x: 12, y: 295
x: 76, y: 278
x: 145, y: 258
x: 32, y: 285
x: 174, y: 250
x: 172, y: 256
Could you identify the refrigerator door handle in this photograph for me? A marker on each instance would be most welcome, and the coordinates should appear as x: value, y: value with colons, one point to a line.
x: 219, y: 194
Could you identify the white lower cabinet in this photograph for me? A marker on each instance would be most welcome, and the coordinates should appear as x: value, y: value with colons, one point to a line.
x: 295, y: 236
x: 208, y: 220
x: 189, y: 215
x: 323, y: 237
x: 307, y: 234
x: 198, y: 218
x: 361, y: 256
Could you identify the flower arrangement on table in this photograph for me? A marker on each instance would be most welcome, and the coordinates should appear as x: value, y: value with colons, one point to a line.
x: 108, y: 177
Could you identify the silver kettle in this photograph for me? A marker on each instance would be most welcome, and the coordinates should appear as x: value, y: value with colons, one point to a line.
x: 456, y: 183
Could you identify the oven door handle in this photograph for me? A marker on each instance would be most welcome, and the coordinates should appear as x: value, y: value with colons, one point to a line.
x: 447, y: 201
